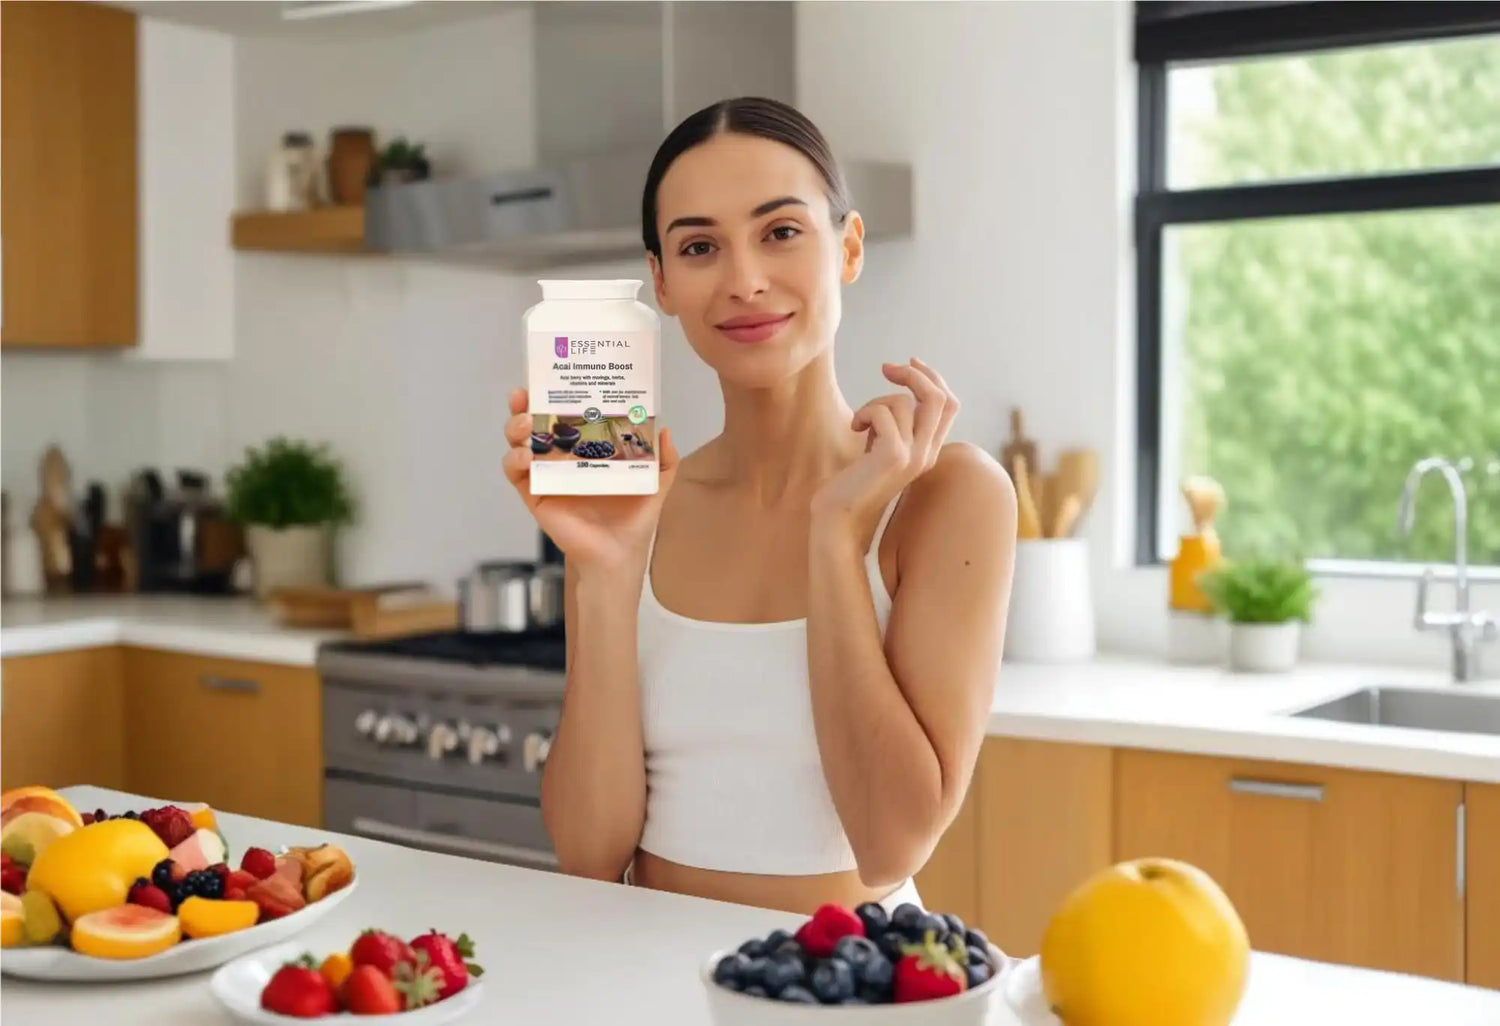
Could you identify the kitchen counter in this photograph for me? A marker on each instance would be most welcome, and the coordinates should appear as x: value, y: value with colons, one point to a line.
x: 227, y: 627
x: 1142, y: 703
x: 565, y: 950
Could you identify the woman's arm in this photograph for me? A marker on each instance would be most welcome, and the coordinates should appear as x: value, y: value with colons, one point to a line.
x: 594, y: 784
x: 900, y: 721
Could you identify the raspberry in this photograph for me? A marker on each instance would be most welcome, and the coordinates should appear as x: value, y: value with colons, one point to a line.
x: 169, y: 823
x: 258, y: 862
x: 149, y: 895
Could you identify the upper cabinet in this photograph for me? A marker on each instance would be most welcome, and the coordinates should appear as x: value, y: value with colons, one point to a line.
x: 68, y: 175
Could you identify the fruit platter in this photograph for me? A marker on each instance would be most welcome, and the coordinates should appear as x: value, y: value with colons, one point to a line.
x: 146, y: 893
x: 428, y: 979
x: 856, y: 959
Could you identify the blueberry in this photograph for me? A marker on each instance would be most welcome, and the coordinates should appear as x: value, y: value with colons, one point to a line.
x: 856, y: 1000
x: 161, y: 875
x: 892, y: 945
x: 955, y: 924
x: 978, y: 956
x: 775, y: 939
x: 755, y: 972
x: 755, y: 990
x: 798, y: 995
x: 907, y: 920
x: 978, y: 973
x: 783, y: 972
x: 730, y: 972
x: 935, y: 925
x: 875, y: 918
x: 876, y: 975
x: 976, y: 939
x: 753, y: 948
x: 789, y: 948
x: 833, y: 981
x: 855, y: 950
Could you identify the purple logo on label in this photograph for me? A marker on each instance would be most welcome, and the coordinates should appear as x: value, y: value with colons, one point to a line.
x: 560, y: 346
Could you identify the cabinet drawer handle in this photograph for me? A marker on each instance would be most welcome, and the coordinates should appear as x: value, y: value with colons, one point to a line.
x: 1276, y: 789
x: 250, y: 687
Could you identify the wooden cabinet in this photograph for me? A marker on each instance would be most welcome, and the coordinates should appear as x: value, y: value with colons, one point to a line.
x: 1482, y: 869
x: 1335, y: 865
x: 1044, y: 825
x: 244, y: 737
x: 62, y: 719
x: 68, y: 175
x: 950, y: 880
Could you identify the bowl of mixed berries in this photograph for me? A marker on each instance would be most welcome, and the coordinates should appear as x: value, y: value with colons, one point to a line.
x: 863, y: 965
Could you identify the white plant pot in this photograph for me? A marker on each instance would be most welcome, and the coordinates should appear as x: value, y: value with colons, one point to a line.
x: 288, y: 557
x: 1051, y: 617
x: 1264, y: 647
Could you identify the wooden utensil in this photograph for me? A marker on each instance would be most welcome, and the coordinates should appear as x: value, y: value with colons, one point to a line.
x: 1028, y: 521
x: 1205, y: 498
x: 1019, y: 446
x: 1068, y: 512
x: 1049, y: 497
x: 1078, y: 472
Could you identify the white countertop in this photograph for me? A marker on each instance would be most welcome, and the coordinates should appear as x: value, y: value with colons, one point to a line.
x: 562, y: 950
x: 228, y: 627
x: 1142, y: 703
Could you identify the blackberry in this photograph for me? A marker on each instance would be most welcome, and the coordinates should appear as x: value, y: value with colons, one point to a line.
x: 210, y: 885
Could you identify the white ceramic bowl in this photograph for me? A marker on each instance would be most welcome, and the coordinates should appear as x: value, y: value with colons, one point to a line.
x: 190, y: 956
x: 238, y: 986
x: 982, y: 1006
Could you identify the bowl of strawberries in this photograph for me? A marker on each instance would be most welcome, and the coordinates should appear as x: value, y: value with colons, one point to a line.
x: 425, y: 981
x: 864, y: 966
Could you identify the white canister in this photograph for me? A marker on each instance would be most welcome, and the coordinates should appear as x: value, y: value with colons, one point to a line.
x: 1264, y: 647
x: 1051, y: 617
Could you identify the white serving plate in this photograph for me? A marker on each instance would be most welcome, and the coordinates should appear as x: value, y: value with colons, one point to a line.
x: 238, y: 986
x: 190, y: 956
x: 982, y: 1006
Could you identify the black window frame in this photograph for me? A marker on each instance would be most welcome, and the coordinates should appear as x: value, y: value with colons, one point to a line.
x: 1173, y: 33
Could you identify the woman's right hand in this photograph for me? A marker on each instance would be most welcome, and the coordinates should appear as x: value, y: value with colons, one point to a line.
x: 605, y: 530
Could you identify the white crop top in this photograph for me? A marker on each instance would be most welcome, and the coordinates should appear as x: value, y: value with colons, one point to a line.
x: 733, y: 778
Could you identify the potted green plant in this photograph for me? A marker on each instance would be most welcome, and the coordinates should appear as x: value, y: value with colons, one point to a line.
x: 1266, y: 602
x: 289, y: 495
x: 400, y: 162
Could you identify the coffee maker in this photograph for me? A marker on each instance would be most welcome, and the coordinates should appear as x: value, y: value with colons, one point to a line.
x: 183, y: 539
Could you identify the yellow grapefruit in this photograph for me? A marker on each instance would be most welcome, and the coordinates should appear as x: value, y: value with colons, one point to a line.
x: 125, y: 931
x: 209, y: 917
x: 12, y: 921
x: 93, y: 867
x: 1153, y: 942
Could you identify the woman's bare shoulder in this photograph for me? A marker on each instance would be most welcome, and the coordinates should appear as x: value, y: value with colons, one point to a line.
x: 967, y: 490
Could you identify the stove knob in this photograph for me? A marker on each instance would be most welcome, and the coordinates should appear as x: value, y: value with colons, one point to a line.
x: 441, y: 739
x: 395, y: 729
x: 534, y: 750
x: 365, y: 722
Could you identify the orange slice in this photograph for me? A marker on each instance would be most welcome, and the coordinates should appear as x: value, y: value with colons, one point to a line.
x: 209, y: 917
x: 125, y: 931
x: 201, y: 815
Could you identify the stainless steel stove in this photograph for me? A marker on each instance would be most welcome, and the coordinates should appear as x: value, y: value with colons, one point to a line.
x: 437, y: 741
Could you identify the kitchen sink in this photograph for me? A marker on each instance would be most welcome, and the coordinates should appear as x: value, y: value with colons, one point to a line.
x: 1424, y: 709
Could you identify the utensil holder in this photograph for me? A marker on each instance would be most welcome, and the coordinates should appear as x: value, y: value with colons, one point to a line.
x: 1051, y: 617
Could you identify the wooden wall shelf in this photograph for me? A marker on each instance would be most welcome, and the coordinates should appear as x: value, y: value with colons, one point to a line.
x: 323, y: 230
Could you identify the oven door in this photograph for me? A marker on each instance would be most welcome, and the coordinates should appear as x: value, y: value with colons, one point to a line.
x: 493, y: 829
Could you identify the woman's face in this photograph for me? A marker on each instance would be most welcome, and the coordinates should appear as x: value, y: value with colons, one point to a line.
x: 751, y: 262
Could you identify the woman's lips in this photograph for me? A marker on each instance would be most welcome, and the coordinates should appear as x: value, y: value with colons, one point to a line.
x: 753, y: 328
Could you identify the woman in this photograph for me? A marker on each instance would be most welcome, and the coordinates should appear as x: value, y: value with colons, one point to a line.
x: 781, y: 665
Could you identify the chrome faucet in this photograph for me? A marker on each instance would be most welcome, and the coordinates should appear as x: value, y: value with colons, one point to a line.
x: 1465, y: 628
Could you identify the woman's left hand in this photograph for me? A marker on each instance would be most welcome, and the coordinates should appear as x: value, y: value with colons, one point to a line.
x: 904, y: 432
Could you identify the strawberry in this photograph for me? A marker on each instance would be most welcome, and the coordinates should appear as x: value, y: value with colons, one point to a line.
x: 829, y: 923
x: 241, y: 879
x: 927, y: 971
x: 148, y: 895
x: 368, y: 991
x: 449, y: 958
x: 234, y: 894
x: 258, y: 862
x: 418, y: 983
x: 299, y: 990
x: 12, y: 875
x: 170, y: 823
x: 382, y: 950
x: 276, y: 897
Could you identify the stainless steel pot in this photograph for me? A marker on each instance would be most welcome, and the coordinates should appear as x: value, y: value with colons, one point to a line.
x: 511, y: 598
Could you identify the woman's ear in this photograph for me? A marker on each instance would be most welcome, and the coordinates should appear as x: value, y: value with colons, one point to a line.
x: 853, y: 248
x: 659, y: 283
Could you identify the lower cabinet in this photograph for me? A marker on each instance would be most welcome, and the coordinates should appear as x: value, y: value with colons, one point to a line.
x: 1328, y: 864
x: 245, y: 737
x: 1482, y: 834
x: 62, y: 719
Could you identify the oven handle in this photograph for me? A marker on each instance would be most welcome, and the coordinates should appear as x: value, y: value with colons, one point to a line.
x: 426, y: 838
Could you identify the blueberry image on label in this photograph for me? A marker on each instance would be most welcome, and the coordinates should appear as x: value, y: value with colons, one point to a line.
x: 594, y: 450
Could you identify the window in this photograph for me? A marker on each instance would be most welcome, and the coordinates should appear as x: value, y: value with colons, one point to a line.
x: 1318, y: 246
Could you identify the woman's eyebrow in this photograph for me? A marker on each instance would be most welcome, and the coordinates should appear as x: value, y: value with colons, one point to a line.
x: 760, y: 211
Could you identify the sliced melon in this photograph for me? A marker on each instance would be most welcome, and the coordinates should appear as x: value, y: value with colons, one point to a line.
x: 203, y: 849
